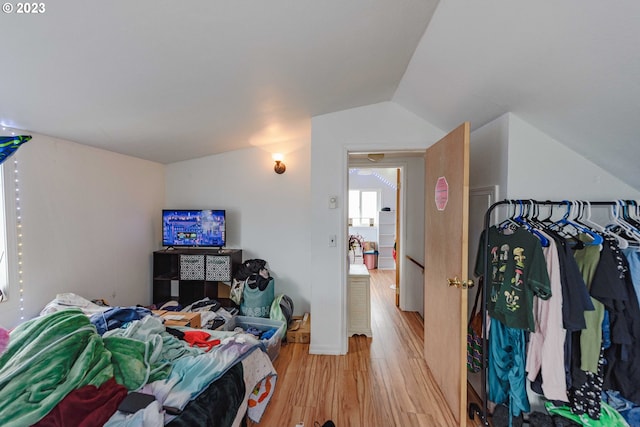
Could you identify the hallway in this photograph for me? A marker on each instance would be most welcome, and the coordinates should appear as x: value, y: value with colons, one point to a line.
x: 383, y: 381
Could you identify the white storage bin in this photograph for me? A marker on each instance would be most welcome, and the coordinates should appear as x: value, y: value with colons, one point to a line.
x: 262, y: 324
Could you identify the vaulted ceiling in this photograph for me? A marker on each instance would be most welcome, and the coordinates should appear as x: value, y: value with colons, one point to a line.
x: 169, y: 81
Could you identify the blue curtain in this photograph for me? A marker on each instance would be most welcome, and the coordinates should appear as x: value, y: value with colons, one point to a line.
x: 9, y: 144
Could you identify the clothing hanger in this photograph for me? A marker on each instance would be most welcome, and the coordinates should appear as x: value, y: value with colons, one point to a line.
x: 627, y: 216
x: 636, y: 214
x: 584, y: 217
x: 547, y: 219
x: 520, y: 219
x: 633, y: 214
x: 509, y: 221
x: 532, y: 213
x: 548, y: 226
x: 623, y: 217
x: 579, y: 217
x: 620, y: 227
x: 596, y: 239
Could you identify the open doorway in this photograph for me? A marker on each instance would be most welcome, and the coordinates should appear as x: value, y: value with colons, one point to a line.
x: 408, y: 191
x: 373, y: 220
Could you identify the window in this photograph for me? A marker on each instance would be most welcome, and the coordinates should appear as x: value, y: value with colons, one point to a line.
x: 363, y: 207
x: 9, y: 255
x: 10, y: 219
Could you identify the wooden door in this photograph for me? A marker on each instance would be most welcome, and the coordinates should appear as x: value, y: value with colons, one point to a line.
x: 446, y: 255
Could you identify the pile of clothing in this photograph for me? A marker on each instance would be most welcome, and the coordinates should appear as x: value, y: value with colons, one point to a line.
x: 253, y: 289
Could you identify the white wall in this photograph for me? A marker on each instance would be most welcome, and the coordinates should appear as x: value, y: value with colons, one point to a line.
x: 90, y: 220
x: 372, y: 128
x: 368, y: 234
x: 488, y: 154
x: 528, y: 164
x: 542, y: 168
x: 267, y: 214
x: 412, y: 277
x: 488, y: 165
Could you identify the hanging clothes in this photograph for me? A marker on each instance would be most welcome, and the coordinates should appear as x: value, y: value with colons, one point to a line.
x: 587, y: 367
x: 590, y: 337
x: 545, y: 351
x: 632, y: 254
x: 622, y: 372
x: 588, y: 292
x: 576, y: 301
x: 609, y: 286
x: 507, y: 378
x: 574, y: 290
x: 517, y: 271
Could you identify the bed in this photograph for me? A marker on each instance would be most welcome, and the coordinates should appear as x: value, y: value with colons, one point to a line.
x: 58, y: 370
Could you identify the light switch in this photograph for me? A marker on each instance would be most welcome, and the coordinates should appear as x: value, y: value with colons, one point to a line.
x: 333, y: 202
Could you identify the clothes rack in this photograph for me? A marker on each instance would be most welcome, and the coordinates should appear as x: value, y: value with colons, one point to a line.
x: 482, y: 410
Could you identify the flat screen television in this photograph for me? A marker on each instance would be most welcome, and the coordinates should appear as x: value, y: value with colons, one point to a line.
x: 194, y: 228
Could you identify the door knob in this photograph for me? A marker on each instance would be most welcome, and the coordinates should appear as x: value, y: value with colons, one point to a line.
x: 465, y: 284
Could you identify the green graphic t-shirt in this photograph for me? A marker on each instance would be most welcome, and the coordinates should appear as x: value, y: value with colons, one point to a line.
x: 517, y: 271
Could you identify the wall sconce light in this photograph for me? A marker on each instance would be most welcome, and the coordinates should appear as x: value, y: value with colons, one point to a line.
x: 279, y: 167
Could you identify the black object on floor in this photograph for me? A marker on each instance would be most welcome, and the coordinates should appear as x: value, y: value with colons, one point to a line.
x: 560, y: 421
x: 501, y: 417
x: 538, y: 419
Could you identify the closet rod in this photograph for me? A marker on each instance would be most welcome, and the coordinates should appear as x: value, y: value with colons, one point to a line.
x: 559, y: 203
x: 473, y: 408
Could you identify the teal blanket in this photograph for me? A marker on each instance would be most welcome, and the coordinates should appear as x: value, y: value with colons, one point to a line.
x: 143, y: 351
x: 134, y: 362
x: 54, y: 354
x: 48, y: 357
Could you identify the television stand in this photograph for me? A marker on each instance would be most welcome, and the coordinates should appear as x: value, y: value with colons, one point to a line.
x: 195, y: 271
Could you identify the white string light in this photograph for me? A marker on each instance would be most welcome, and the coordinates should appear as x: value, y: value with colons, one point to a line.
x: 385, y: 180
x: 19, y: 237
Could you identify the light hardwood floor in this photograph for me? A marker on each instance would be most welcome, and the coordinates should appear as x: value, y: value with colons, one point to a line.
x: 382, y: 382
